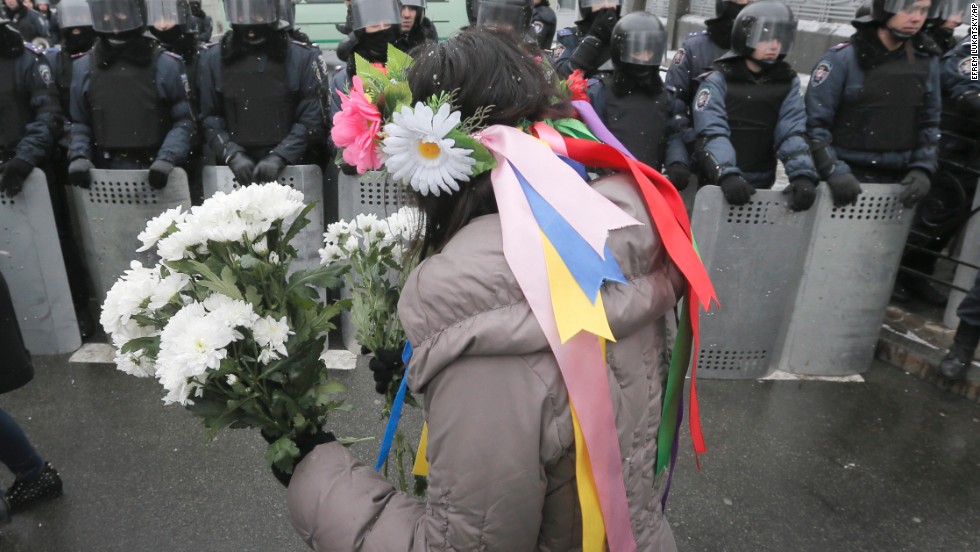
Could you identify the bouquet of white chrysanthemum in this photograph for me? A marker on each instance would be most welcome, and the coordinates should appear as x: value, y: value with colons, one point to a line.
x: 225, y: 325
x: 376, y: 257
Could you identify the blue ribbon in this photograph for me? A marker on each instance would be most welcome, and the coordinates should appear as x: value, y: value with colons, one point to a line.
x: 396, y: 411
x: 586, y: 266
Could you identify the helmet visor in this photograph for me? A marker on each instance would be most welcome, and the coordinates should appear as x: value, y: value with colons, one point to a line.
x: 416, y: 3
x: 164, y: 14
x: 287, y: 13
x: 765, y: 32
x: 951, y: 9
x: 115, y: 16
x: 908, y: 6
x: 251, y: 12
x: 506, y: 17
x: 370, y: 13
x: 599, y: 3
x: 643, y: 47
x: 74, y: 13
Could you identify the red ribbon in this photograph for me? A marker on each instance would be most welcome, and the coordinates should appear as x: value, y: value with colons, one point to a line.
x: 667, y: 210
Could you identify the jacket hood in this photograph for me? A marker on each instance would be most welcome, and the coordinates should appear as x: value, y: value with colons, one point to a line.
x: 465, y: 301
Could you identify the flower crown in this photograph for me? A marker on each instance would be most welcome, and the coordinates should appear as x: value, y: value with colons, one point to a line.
x: 426, y: 146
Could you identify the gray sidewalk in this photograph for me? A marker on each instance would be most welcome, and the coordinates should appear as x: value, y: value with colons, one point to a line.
x: 892, y: 463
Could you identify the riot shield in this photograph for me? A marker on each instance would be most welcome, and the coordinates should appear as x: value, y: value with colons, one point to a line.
x: 969, y: 251
x: 305, y: 178
x: 754, y: 254
x: 850, y: 267
x: 113, y: 211
x: 31, y: 262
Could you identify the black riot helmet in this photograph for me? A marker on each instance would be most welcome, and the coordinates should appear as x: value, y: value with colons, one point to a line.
x: 944, y: 10
x: 728, y: 8
x: 762, y: 22
x: 371, y: 13
x: 252, y: 12
x: 74, y: 13
x: 638, y: 39
x: 168, y: 14
x: 287, y: 14
x: 472, y: 6
x: 585, y: 6
x: 118, y: 16
x: 507, y: 15
x: 883, y: 10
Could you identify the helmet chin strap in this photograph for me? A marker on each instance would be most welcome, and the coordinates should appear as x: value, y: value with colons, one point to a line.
x: 898, y: 35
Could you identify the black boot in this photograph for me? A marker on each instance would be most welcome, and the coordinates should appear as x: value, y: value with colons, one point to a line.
x: 27, y: 492
x: 923, y: 289
x: 960, y: 356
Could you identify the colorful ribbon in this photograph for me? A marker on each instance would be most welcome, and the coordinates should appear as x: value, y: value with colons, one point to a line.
x: 396, y: 411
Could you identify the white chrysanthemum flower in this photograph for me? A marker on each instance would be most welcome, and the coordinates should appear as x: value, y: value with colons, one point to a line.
x: 167, y: 288
x: 235, y: 313
x: 336, y: 232
x: 274, y: 258
x: 126, y: 296
x: 135, y: 364
x: 331, y: 254
x: 157, y: 227
x: 420, y: 154
x: 262, y: 246
x: 366, y: 222
x: 272, y: 334
x: 176, y: 246
x: 232, y: 379
x: 192, y: 343
x: 352, y: 244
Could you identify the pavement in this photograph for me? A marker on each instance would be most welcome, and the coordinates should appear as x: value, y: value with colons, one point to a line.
x: 883, y: 461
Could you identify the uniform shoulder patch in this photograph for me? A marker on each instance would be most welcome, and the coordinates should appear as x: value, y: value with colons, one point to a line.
x: 678, y: 57
x: 45, y: 72
x: 840, y: 46
x: 697, y: 33
x: 702, y: 99
x: 820, y: 73
x: 965, y: 65
x: 33, y: 48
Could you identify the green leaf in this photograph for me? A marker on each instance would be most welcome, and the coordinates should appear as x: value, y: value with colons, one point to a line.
x: 141, y: 343
x: 484, y: 159
x: 325, y: 392
x: 398, y: 63
x: 301, y: 221
x: 253, y: 296
x: 282, y: 454
x: 371, y: 76
x: 325, y: 276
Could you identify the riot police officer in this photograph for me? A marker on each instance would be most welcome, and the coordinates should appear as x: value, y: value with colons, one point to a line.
x: 512, y: 16
x: 172, y: 24
x: 75, y: 21
x: 202, y: 22
x: 27, y: 21
x: 543, y: 23
x: 633, y: 101
x: 873, y: 104
x: 416, y: 28
x: 586, y: 46
x: 944, y: 17
x: 49, y: 16
x: 287, y: 15
x: 129, y: 99
x: 946, y: 207
x: 377, y: 23
x: 28, y: 108
x: 260, y: 95
x: 749, y: 111
x: 697, y: 54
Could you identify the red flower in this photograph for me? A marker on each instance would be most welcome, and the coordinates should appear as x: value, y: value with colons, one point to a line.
x: 577, y: 85
x: 380, y: 67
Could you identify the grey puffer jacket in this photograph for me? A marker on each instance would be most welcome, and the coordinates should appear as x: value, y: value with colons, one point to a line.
x: 501, y: 448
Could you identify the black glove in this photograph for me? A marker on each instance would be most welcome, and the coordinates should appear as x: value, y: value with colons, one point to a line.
x: 78, y: 172
x: 679, y: 175
x: 15, y: 172
x: 969, y: 104
x: 385, y: 364
x: 844, y: 188
x: 242, y: 167
x: 305, y: 443
x: 268, y: 168
x: 802, y: 193
x: 917, y: 184
x: 348, y: 169
x: 602, y: 24
x: 159, y: 173
x: 737, y: 189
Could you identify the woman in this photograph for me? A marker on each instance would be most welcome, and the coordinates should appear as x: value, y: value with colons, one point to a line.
x: 501, y: 452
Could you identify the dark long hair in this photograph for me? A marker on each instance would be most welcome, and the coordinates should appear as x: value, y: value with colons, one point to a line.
x: 482, y: 68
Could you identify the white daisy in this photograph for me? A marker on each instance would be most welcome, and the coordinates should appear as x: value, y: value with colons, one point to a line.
x: 420, y: 154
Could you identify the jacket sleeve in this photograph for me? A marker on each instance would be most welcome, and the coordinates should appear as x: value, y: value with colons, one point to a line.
x: 174, y: 90
x: 216, y: 134
x: 473, y: 504
x: 792, y: 148
x: 569, y: 41
x: 954, y: 81
x: 711, y: 126
x: 46, y: 125
x: 308, y: 127
x: 823, y: 96
x: 924, y: 155
x: 677, y: 123
x: 81, y: 115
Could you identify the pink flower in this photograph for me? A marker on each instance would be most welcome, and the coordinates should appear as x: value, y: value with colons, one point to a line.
x: 356, y: 128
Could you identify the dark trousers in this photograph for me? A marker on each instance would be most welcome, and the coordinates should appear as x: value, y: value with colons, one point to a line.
x: 16, y: 451
x: 969, y: 309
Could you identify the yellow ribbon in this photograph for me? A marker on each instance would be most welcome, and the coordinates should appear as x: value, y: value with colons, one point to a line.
x: 593, y: 528
x: 574, y: 312
x: 421, y: 466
